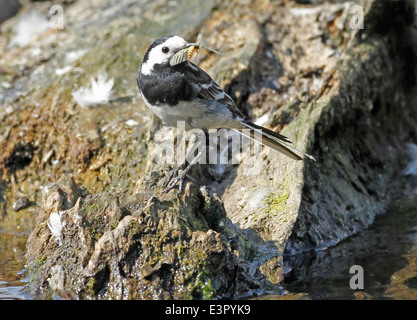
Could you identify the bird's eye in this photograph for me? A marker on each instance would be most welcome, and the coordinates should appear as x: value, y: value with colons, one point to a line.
x: 165, y: 49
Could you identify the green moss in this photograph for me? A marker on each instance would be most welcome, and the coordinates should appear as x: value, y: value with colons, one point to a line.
x: 203, y: 288
x: 92, y: 208
x: 275, y: 207
x: 277, y: 202
x: 180, y: 249
x: 42, y: 260
x: 249, y: 247
x: 90, y: 284
x: 272, y: 270
x: 114, y: 224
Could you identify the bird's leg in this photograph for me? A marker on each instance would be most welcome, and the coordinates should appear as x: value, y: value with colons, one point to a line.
x: 184, y: 174
x: 174, y: 172
x: 181, y: 177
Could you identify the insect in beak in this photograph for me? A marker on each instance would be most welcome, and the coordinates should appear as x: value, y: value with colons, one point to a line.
x: 191, y: 50
x: 187, y: 53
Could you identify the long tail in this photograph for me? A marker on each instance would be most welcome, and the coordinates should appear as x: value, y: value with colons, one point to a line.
x: 274, y: 141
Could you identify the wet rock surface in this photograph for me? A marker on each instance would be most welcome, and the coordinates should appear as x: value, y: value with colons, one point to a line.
x: 99, y: 225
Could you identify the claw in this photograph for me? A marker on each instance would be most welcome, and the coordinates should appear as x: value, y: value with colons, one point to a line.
x: 180, y: 178
x: 184, y: 174
x: 172, y: 174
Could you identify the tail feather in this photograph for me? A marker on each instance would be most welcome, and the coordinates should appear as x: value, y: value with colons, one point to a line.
x: 275, y: 141
x: 267, y: 132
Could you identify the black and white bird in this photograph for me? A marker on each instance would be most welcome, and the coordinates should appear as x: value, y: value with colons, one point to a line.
x: 175, y: 89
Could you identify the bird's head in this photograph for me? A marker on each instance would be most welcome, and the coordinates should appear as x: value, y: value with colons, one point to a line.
x: 162, y: 51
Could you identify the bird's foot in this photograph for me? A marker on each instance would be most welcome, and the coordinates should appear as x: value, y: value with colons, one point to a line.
x: 178, y: 179
x: 171, y: 175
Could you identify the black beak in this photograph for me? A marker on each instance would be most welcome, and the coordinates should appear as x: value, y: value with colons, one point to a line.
x: 189, y: 44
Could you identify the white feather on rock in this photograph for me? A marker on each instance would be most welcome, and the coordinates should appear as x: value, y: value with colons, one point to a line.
x: 99, y: 92
x: 55, y: 225
x: 29, y: 25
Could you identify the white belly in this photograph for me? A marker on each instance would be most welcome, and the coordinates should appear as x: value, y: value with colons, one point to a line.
x: 210, y: 115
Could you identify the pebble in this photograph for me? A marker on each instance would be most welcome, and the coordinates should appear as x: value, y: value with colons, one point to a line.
x: 21, y: 203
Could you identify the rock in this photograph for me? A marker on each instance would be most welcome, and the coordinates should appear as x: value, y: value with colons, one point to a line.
x: 115, y: 246
x: 21, y: 203
x: 359, y: 142
x: 345, y: 95
x: 8, y: 9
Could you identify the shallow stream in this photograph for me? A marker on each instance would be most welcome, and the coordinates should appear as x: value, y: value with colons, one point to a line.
x: 387, y: 252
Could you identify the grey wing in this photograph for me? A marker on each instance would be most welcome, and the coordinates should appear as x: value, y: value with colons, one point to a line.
x: 208, y: 89
x: 212, y: 91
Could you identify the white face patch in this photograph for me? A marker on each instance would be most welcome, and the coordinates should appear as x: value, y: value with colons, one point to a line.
x: 156, y: 56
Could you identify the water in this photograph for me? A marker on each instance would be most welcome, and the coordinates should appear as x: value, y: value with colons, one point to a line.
x: 12, y: 279
x: 387, y: 252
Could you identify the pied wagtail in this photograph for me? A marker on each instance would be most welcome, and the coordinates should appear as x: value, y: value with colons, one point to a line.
x: 175, y: 89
